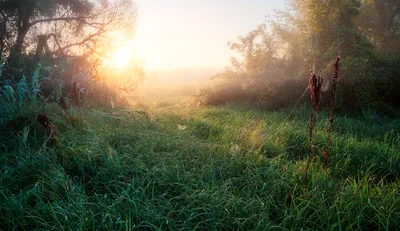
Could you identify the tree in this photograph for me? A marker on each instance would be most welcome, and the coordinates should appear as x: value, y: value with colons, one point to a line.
x: 325, y: 23
x: 257, y: 51
x: 273, y: 62
x: 67, y: 23
x: 380, y: 22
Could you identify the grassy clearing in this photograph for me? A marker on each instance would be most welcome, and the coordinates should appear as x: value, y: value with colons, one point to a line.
x: 224, y: 168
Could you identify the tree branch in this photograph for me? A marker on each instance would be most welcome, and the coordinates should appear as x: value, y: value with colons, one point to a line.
x: 88, y: 38
x: 58, y: 19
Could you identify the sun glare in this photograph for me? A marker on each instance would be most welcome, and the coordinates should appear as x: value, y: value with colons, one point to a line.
x: 121, y: 57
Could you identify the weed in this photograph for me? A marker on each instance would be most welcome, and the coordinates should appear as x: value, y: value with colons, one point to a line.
x: 315, y: 85
x: 335, y: 80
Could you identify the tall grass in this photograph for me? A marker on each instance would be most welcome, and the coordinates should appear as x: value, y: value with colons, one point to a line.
x: 15, y: 99
x: 123, y: 172
x: 215, y: 168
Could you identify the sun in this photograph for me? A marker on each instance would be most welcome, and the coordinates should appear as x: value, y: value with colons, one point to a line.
x: 121, y: 57
x: 124, y: 55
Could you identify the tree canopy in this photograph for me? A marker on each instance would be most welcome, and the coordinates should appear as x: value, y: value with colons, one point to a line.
x: 65, y: 24
x: 278, y: 55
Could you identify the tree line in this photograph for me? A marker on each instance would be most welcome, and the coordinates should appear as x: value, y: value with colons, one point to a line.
x: 274, y: 60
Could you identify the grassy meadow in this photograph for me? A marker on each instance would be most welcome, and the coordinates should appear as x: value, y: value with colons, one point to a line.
x: 200, y: 168
x: 199, y: 115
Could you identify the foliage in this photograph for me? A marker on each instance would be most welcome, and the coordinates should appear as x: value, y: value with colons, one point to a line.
x: 60, y: 27
x: 310, y: 36
x: 74, y: 35
x: 380, y: 21
x: 25, y: 106
x: 259, y: 93
x: 14, y: 99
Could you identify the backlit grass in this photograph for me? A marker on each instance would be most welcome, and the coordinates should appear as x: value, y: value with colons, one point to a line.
x: 224, y: 168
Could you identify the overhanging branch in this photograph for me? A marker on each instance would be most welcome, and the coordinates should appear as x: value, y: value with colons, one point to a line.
x: 87, y: 39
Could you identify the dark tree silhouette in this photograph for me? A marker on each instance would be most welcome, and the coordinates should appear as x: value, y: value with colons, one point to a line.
x: 67, y: 23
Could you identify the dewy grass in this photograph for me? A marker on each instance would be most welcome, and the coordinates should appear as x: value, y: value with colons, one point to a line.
x: 122, y: 171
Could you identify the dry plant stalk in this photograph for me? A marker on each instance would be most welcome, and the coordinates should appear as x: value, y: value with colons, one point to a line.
x: 76, y: 98
x: 75, y: 93
x: 48, y: 126
x: 335, y: 79
x: 45, y: 122
x: 63, y: 104
x: 315, y: 85
x: 326, y: 160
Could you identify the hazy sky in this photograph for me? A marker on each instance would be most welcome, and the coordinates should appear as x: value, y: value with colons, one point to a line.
x: 174, y: 34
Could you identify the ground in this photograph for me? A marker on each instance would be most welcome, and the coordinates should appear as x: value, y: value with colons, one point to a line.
x: 204, y: 168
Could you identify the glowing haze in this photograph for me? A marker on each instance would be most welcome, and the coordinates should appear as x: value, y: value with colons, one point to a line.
x: 172, y: 34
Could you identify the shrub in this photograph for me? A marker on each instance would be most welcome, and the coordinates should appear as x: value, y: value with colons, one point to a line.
x: 260, y: 93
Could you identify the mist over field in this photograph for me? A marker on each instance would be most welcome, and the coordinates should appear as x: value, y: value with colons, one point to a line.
x: 199, y: 115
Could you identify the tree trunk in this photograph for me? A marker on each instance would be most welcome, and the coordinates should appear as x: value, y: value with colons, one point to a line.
x: 24, y: 16
x: 3, y: 31
x: 1, y: 46
x: 22, y: 31
x: 42, y: 42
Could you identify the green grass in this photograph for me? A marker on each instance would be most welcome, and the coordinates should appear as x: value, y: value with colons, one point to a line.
x: 232, y: 168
